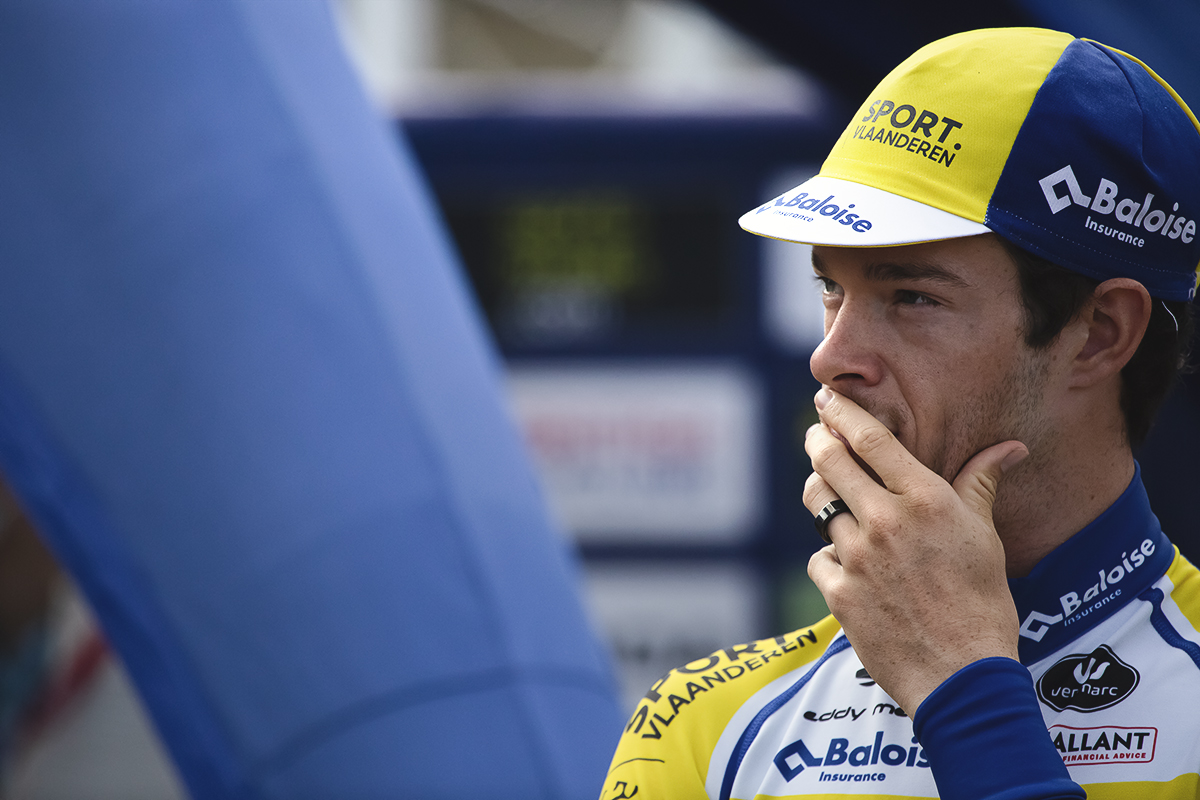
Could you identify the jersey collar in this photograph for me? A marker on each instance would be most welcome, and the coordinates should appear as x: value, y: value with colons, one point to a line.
x: 1091, y: 575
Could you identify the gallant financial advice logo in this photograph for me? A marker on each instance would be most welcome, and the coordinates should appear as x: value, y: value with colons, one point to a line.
x: 1139, y: 217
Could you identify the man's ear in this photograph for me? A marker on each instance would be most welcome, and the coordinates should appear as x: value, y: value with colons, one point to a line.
x: 1115, y: 320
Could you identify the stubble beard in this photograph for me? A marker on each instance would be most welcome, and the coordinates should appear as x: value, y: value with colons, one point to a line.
x: 1013, y: 409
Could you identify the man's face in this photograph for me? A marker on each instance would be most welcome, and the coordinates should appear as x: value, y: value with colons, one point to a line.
x: 929, y: 339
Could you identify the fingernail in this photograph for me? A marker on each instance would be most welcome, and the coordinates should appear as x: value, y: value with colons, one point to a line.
x: 810, y: 430
x: 823, y: 397
x: 1012, y: 459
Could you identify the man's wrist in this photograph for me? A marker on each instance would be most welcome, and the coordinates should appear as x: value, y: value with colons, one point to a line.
x: 984, y: 736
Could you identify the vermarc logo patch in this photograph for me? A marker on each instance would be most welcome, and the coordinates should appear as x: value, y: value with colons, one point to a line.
x: 1089, y: 682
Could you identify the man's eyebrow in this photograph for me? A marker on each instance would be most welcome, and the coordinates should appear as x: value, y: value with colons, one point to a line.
x: 904, y: 271
x: 920, y: 271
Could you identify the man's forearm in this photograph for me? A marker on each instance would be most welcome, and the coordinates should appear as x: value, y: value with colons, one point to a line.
x: 984, y: 737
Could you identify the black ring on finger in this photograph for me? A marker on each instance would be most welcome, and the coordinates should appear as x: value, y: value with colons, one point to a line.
x: 831, y: 510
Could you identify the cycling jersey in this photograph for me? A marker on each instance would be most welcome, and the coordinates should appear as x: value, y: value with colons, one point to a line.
x: 1107, y: 697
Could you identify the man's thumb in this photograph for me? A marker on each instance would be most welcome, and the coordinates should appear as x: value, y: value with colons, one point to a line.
x: 980, y: 478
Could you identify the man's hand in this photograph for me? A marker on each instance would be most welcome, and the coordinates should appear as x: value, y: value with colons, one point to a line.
x: 916, y: 576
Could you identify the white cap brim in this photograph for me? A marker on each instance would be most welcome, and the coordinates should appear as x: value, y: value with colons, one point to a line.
x: 833, y: 211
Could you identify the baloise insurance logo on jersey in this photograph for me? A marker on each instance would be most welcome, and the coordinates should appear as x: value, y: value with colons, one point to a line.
x: 795, y: 757
x: 1089, y: 682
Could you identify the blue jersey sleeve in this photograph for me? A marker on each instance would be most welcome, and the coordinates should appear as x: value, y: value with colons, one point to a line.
x: 984, y: 737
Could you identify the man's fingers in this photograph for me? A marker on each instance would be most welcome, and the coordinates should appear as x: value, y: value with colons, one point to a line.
x: 817, y: 495
x: 833, y: 462
x: 870, y: 440
x: 824, y: 567
x: 979, y: 480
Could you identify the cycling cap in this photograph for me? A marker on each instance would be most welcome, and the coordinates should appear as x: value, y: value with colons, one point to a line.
x: 1070, y: 149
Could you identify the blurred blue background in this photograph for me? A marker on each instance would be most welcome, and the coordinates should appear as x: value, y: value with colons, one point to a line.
x: 574, y: 170
x: 591, y: 161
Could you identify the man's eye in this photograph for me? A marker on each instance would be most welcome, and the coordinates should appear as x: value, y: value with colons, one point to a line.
x: 906, y: 297
x: 827, y: 286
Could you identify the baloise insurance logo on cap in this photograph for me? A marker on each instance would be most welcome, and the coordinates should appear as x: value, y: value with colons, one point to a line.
x: 806, y: 209
x: 1128, y: 219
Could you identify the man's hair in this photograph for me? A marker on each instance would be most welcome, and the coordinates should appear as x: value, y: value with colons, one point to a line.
x: 1053, y: 296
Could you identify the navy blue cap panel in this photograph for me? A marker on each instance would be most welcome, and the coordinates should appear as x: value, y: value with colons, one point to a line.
x: 1120, y: 195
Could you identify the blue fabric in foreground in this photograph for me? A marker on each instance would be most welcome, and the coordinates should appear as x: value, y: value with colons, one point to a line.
x: 247, y: 400
x: 990, y: 707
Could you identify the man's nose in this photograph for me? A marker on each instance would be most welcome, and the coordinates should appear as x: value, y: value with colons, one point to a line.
x: 850, y: 351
